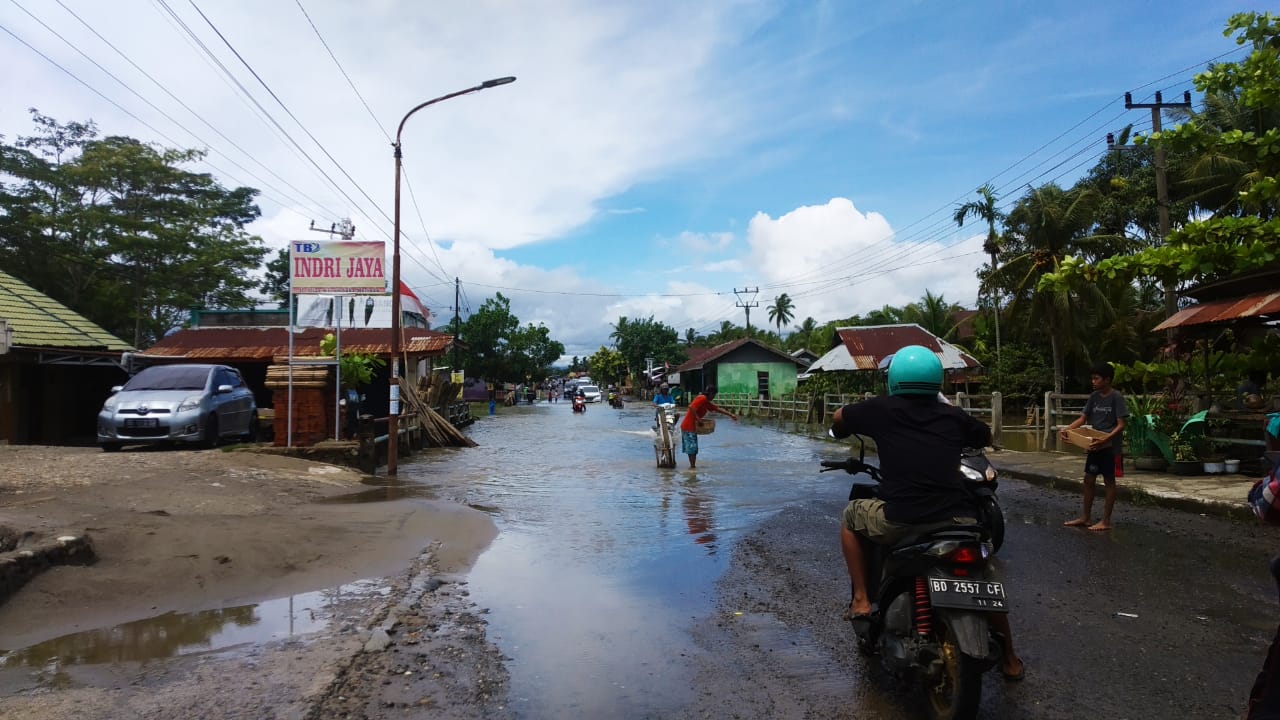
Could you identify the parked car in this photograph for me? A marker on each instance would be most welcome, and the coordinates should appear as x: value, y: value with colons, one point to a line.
x: 178, y: 403
x: 591, y: 392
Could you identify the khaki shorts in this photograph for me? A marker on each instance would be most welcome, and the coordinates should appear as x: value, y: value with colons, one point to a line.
x: 866, y: 518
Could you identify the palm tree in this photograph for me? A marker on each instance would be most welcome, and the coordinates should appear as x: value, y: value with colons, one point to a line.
x: 620, y: 329
x: 934, y: 314
x: 985, y: 209
x: 805, y: 333
x: 781, y: 311
x: 1047, y: 225
x: 691, y: 336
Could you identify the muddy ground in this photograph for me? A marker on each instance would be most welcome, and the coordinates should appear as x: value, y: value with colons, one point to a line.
x: 179, y: 531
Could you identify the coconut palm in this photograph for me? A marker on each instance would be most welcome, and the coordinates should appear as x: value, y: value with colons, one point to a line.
x: 781, y: 311
x: 933, y: 313
x: 985, y: 209
x: 691, y: 336
x: 620, y: 329
x: 804, y: 335
x: 1047, y: 225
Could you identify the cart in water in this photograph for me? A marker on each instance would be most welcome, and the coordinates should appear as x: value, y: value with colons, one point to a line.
x: 664, y: 435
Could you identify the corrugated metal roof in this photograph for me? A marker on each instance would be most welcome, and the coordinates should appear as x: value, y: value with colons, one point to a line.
x: 864, y: 348
x: 246, y: 344
x: 1257, y: 305
x: 39, y: 321
x: 701, y: 356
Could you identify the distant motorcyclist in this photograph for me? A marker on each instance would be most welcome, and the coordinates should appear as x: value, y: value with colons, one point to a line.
x: 919, y: 441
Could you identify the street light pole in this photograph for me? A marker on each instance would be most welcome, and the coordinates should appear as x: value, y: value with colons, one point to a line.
x: 393, y: 417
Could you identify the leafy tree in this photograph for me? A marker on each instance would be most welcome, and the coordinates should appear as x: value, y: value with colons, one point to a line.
x: 607, y: 366
x: 118, y: 231
x: 1234, y: 148
x: 530, y: 352
x: 985, y: 208
x: 1046, y: 226
x: 275, y: 285
x: 933, y: 313
x: 487, y: 332
x: 803, y: 336
x: 782, y: 311
x: 638, y: 340
x: 691, y: 336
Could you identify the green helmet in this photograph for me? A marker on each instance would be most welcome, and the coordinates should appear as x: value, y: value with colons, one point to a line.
x: 915, y: 370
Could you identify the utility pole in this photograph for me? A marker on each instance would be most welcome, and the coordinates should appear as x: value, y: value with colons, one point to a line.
x: 1162, y: 183
x: 343, y: 228
x: 747, y: 304
x: 457, y: 324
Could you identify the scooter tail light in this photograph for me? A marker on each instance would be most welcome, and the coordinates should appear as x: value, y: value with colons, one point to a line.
x: 966, y: 555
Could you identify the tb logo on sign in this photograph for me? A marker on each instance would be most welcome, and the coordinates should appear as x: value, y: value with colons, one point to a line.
x: 306, y: 247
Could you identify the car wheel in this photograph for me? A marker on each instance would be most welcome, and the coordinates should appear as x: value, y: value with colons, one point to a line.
x: 209, y: 438
x: 110, y: 447
x: 251, y: 434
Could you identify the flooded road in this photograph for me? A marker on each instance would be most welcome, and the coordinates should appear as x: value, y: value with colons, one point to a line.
x: 617, y: 589
x: 604, y: 561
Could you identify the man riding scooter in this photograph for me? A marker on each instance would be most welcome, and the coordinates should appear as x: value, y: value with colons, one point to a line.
x: 919, y: 441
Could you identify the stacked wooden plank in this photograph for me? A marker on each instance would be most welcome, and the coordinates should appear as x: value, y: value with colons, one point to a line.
x: 436, y: 427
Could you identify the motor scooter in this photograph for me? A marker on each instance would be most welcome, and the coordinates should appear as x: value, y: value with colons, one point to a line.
x: 931, y: 594
x: 980, y: 478
x: 579, y: 403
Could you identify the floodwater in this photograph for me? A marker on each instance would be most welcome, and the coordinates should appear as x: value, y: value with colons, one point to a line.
x: 176, y: 634
x: 604, y: 561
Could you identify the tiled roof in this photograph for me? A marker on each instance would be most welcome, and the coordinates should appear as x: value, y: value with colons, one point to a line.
x: 39, y: 321
x: 865, y: 348
x: 210, y: 344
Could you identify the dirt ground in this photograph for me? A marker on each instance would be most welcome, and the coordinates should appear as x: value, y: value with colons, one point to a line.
x: 179, y: 531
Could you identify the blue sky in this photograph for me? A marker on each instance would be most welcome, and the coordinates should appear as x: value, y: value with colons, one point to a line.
x: 652, y: 156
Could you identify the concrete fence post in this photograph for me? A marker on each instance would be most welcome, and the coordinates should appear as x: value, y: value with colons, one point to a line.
x: 997, y: 417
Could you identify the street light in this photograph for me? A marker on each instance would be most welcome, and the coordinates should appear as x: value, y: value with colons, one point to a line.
x: 393, y: 418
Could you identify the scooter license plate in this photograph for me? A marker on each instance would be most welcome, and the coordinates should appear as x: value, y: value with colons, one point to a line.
x: 967, y: 594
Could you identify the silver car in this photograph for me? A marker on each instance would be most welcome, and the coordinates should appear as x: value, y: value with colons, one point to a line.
x: 178, y: 403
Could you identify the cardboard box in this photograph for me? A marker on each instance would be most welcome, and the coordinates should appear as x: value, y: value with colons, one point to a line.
x: 1083, y: 436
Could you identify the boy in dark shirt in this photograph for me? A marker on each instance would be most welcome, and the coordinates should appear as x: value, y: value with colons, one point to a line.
x: 1105, y: 410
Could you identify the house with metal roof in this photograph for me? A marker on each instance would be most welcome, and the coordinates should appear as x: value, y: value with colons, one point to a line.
x: 742, y: 366
x: 56, y: 368
x: 867, y: 349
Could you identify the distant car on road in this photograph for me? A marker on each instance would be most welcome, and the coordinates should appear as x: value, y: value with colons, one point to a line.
x: 591, y: 392
x: 178, y: 403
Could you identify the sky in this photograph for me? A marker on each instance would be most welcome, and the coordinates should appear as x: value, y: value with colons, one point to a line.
x: 651, y: 158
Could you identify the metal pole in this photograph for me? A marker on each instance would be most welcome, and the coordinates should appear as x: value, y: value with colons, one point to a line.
x: 393, y: 421
x: 337, y: 373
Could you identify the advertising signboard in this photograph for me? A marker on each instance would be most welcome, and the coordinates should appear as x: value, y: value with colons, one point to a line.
x: 336, y: 266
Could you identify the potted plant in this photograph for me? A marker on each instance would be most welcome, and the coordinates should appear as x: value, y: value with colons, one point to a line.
x: 1186, y: 460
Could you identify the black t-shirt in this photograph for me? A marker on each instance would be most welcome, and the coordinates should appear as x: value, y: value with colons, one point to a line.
x: 919, y: 441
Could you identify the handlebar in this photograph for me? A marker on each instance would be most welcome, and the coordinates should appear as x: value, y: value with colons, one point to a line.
x: 853, y: 466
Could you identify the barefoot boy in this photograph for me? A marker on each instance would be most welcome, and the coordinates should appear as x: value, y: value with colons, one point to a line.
x: 1104, y: 411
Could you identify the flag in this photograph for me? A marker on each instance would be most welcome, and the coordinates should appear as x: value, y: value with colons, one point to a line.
x: 410, y: 302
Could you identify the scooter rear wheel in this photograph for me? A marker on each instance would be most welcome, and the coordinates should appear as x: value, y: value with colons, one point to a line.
x: 956, y: 694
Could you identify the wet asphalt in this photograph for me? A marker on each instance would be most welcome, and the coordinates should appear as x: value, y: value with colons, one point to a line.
x: 618, y: 589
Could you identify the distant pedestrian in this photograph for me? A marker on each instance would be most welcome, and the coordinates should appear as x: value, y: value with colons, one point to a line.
x: 1105, y: 411
x: 698, y: 409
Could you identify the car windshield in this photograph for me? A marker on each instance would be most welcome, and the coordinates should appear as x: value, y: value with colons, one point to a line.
x: 173, y: 377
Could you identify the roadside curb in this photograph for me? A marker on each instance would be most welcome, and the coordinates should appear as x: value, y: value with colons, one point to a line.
x: 1137, y: 495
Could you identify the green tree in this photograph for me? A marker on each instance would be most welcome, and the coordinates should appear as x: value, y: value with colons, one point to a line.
x: 987, y: 209
x: 782, y: 311
x: 1234, y: 163
x: 803, y: 337
x: 275, y: 283
x: 139, y: 240
x: 607, y: 366
x: 487, y: 332
x: 1047, y: 225
x: 640, y: 340
x: 933, y: 313
x: 691, y: 336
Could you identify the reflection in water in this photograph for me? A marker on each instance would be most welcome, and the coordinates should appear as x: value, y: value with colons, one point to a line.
x: 697, y: 516
x: 175, y: 634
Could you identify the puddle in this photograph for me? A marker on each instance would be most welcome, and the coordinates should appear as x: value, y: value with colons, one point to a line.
x: 382, y: 490
x: 176, y: 634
